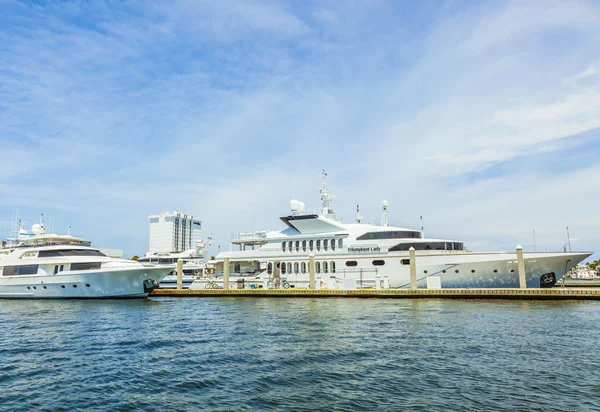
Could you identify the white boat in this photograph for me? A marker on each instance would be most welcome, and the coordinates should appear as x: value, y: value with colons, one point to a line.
x: 366, y: 253
x: 193, y: 264
x: 36, y: 265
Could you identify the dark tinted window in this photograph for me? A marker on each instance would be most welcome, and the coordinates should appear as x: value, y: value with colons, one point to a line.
x: 392, y: 234
x: 428, y: 246
x: 352, y: 263
x: 20, y: 270
x: 378, y: 262
x: 405, y: 261
x: 69, y: 252
x: 85, y: 266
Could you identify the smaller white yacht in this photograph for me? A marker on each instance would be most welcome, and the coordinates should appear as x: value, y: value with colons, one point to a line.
x: 36, y: 265
x: 194, y: 265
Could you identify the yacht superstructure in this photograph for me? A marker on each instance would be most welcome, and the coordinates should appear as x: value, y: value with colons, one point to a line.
x: 37, y: 265
x: 366, y: 252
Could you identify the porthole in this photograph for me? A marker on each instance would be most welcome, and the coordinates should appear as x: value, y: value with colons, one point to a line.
x: 28, y: 288
x: 443, y: 271
x: 425, y: 271
x: 512, y: 271
x: 297, y: 245
x: 318, y: 267
x: 283, y: 246
x: 378, y: 262
x: 332, y: 244
x: 44, y: 287
x: 291, y: 245
x: 495, y: 270
x: 318, y: 245
x: 87, y: 285
x: 34, y: 287
x: 351, y: 263
x: 473, y: 271
x: 62, y: 286
x: 325, y: 245
x: 311, y: 245
x: 296, y: 267
x: 456, y: 271
x: 304, y: 245
x: 303, y: 266
x: 325, y: 267
x: 74, y: 286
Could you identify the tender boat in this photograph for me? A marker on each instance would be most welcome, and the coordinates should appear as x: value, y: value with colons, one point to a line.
x: 36, y: 265
x: 365, y: 253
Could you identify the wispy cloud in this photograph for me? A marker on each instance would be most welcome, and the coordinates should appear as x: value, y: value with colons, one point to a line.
x: 110, y: 111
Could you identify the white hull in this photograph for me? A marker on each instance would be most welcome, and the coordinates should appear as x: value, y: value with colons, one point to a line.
x: 455, y: 270
x: 103, y: 283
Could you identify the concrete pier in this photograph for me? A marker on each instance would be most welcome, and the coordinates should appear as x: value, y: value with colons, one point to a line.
x: 311, y: 272
x: 521, y: 267
x: 226, y: 273
x: 556, y: 293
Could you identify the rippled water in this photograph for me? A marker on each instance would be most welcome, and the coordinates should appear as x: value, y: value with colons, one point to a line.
x: 300, y: 354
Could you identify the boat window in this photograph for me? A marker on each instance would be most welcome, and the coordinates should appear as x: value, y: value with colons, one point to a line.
x: 20, y: 270
x: 296, y: 267
x: 283, y: 268
x: 318, y: 244
x: 269, y: 268
x: 325, y: 244
x: 236, y: 268
x: 351, y: 263
x: 332, y: 267
x: 297, y: 245
x: 378, y: 262
x: 340, y: 242
x: 291, y: 245
x: 427, y: 246
x: 405, y: 261
x: 283, y: 246
x: 325, y: 267
x: 303, y: 267
x: 304, y: 245
x: 86, y: 266
x: 391, y: 234
x: 332, y: 244
x: 310, y: 244
x: 318, y: 267
x: 69, y: 252
x: 289, y: 265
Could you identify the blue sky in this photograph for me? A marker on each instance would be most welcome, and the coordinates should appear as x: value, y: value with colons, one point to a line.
x: 482, y: 116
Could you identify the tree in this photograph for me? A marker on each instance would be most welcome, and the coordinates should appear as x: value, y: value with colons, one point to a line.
x: 135, y: 257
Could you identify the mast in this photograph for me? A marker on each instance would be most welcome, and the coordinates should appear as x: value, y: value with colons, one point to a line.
x: 326, y: 197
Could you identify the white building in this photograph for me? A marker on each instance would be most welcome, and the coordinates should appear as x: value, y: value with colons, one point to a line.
x: 173, y: 232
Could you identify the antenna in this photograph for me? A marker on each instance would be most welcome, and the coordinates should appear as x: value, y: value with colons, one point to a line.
x: 534, y: 245
x: 568, y: 239
x: 358, y: 216
x: 69, y: 231
x: 422, y: 231
x: 326, y: 197
x: 384, y: 213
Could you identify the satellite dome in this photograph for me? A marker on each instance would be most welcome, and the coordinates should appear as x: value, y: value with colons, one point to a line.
x: 37, y: 229
x: 294, y: 205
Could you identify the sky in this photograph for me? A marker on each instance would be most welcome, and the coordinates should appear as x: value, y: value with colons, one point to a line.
x: 482, y: 117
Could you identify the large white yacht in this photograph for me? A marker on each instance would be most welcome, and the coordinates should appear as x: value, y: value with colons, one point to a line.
x: 36, y: 265
x: 366, y: 252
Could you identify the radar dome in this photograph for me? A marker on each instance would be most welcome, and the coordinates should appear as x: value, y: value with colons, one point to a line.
x: 301, y: 207
x: 37, y: 229
x: 294, y: 205
x: 384, y: 203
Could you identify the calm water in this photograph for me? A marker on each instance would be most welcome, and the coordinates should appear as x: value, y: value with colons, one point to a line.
x: 300, y: 354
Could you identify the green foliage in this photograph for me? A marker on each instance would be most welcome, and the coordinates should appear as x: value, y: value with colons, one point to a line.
x: 136, y: 257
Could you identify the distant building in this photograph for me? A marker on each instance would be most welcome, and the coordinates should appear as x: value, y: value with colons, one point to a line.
x: 173, y: 232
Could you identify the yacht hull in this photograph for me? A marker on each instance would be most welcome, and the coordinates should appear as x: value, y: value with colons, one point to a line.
x: 111, y: 283
x: 454, y: 270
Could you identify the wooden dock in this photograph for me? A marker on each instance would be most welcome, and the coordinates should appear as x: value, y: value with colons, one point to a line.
x: 556, y: 293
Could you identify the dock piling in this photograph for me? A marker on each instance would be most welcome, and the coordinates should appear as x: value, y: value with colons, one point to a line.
x: 311, y: 271
x: 179, y: 273
x: 413, y: 268
x: 226, y: 273
x: 521, y: 267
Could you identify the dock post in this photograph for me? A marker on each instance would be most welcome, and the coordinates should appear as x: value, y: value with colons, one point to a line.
x: 179, y: 273
x: 226, y: 273
x: 413, y: 268
x: 521, y: 268
x: 311, y: 271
